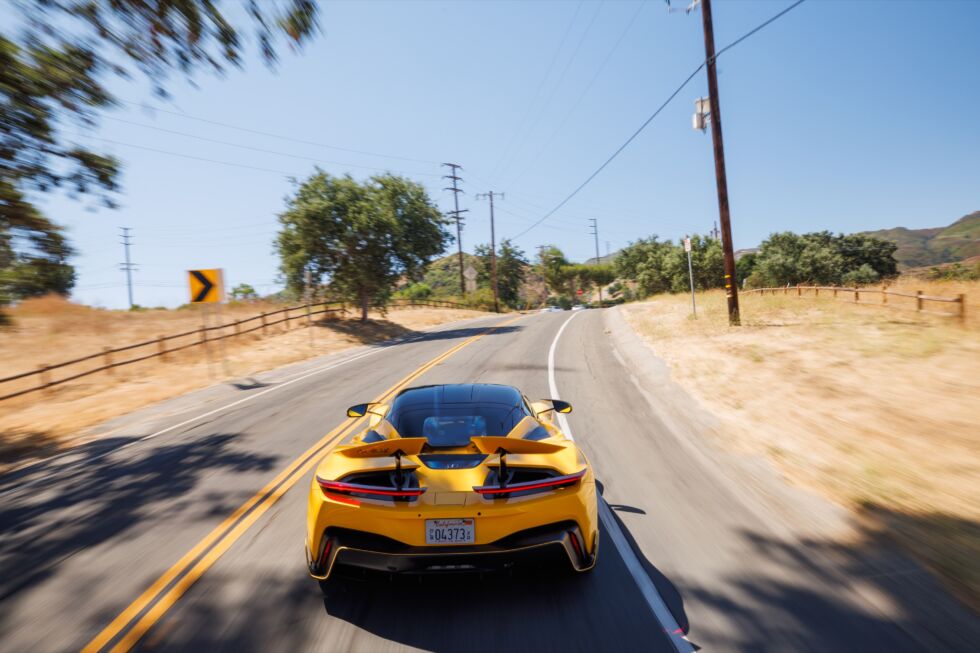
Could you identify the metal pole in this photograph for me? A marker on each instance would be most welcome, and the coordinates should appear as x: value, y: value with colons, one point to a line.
x: 493, y: 258
x: 690, y: 275
x: 128, y: 265
x: 595, y: 232
x: 457, y: 214
x: 731, y: 290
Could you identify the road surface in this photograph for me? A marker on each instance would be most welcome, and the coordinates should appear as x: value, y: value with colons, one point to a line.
x: 181, y: 527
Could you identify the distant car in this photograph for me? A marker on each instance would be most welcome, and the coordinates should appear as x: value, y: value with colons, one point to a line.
x: 460, y: 477
x: 579, y: 307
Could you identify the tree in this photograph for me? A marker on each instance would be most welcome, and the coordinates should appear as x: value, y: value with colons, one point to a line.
x: 359, y: 237
x: 243, y: 292
x: 822, y: 258
x: 512, y: 266
x: 645, y: 262
x: 54, y: 72
x: 552, y: 266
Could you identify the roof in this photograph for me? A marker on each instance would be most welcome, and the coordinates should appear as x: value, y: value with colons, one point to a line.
x: 459, y: 393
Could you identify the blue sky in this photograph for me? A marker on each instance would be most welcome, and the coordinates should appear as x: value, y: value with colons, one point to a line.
x: 841, y: 115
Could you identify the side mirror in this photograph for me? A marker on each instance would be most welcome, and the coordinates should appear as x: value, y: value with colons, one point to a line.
x: 558, y: 406
x: 561, y: 406
x: 358, y: 410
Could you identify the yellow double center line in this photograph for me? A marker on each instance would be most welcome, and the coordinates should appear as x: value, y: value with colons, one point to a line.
x: 164, y: 592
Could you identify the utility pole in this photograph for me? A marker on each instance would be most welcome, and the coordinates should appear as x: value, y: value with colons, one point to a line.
x: 607, y: 251
x: 493, y: 250
x: 457, y: 214
x: 128, y: 265
x: 595, y: 232
x: 731, y: 289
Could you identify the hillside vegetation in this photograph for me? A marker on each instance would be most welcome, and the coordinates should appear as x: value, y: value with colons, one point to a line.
x: 934, y: 246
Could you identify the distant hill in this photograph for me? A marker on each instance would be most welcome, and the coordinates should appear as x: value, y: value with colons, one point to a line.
x: 442, y: 275
x: 605, y: 259
x: 925, y: 247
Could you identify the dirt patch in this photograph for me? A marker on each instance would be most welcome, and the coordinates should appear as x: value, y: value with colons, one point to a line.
x: 51, y: 330
x: 876, y: 407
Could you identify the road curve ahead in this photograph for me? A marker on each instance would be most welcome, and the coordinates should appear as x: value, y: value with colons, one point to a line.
x: 182, y: 527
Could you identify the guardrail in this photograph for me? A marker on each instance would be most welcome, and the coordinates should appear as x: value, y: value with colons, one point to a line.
x: 855, y: 293
x: 109, y: 361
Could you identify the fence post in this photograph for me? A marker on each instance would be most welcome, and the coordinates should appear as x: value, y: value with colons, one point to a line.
x: 799, y: 290
x: 918, y: 300
x: 962, y: 300
x: 162, y: 348
x: 835, y: 292
x: 857, y: 297
x: 45, y: 372
x: 263, y: 323
x: 884, y: 294
x: 107, y: 358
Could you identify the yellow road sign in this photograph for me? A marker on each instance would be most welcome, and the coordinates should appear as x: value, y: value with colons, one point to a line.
x: 207, y: 286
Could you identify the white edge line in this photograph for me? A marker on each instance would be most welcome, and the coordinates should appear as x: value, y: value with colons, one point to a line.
x: 646, y: 586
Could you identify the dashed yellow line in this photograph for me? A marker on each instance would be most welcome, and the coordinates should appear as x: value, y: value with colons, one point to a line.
x: 219, y: 540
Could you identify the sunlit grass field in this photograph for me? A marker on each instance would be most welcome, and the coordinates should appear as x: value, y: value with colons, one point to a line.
x: 875, y: 407
x: 50, y: 330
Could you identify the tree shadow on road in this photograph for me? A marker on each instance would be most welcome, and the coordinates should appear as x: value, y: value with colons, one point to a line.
x: 97, y: 493
x: 385, y: 333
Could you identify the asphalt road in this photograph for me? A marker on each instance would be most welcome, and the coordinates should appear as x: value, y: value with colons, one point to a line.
x: 739, y: 560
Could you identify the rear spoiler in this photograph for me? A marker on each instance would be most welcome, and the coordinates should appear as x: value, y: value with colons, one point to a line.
x: 401, y: 446
x: 485, y: 444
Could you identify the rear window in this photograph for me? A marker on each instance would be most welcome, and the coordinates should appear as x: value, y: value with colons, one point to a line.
x: 453, y: 425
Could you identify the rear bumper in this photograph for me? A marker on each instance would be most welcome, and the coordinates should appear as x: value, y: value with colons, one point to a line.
x: 343, y: 547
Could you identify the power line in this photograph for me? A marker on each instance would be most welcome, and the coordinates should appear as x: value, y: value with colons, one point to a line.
x: 512, y: 142
x: 654, y: 115
x: 279, y: 136
x: 265, y: 151
x: 561, y: 78
x: 585, y: 91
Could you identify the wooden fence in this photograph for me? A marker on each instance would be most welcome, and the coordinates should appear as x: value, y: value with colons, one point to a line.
x: 107, y: 359
x: 855, y: 294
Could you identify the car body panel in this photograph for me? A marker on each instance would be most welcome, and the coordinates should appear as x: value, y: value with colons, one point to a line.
x: 534, y: 448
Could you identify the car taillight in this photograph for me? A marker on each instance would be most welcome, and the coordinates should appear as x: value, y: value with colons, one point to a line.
x: 541, y: 486
x: 340, y: 487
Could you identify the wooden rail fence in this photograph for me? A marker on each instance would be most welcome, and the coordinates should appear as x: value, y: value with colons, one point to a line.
x: 158, y: 347
x: 108, y: 360
x: 883, y: 292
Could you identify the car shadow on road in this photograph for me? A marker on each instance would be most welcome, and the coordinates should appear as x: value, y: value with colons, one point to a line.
x: 528, y: 608
x: 98, y: 493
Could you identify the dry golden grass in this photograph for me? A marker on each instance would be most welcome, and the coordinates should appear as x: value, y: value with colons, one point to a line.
x: 876, y: 407
x: 50, y: 330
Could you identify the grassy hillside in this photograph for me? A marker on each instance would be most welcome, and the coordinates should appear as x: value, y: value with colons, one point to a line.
x: 925, y: 247
x: 442, y: 275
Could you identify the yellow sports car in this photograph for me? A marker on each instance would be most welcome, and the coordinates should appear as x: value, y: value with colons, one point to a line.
x: 462, y: 477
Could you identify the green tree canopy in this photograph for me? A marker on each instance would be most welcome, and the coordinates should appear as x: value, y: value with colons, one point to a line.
x: 552, y: 265
x: 822, y: 258
x: 54, y: 67
x: 360, y: 238
x: 512, y: 268
x: 243, y: 292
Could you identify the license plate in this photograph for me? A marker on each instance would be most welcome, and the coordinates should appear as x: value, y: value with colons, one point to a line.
x: 450, y: 531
